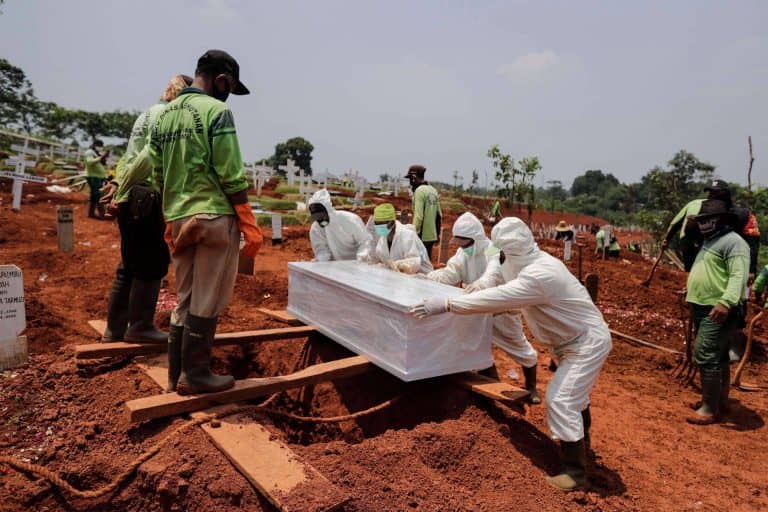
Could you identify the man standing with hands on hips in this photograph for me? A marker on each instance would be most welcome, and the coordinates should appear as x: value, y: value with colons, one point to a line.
x: 195, y: 158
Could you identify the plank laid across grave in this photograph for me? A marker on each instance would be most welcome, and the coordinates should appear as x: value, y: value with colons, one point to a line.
x: 366, y: 309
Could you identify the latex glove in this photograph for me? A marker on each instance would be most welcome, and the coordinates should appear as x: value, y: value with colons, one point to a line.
x: 249, y: 229
x: 392, y: 265
x: 409, y: 265
x: 719, y: 314
x: 430, y: 307
x: 471, y: 288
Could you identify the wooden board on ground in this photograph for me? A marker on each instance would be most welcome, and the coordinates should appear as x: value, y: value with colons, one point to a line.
x: 269, y: 464
x: 171, y: 404
x: 489, y: 388
x: 280, y: 316
x: 120, y: 348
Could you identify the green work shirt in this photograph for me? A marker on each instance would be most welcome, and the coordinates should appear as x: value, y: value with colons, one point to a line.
x: 681, y: 219
x: 195, y: 156
x: 93, y: 166
x: 720, y: 271
x: 600, y: 242
x: 137, y: 142
x: 426, y: 208
x: 762, y: 279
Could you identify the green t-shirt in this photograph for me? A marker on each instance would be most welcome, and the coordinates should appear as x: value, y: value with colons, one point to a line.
x: 720, y: 271
x: 681, y: 219
x: 195, y: 156
x: 426, y: 208
x: 137, y: 142
x: 93, y: 166
x: 761, y: 281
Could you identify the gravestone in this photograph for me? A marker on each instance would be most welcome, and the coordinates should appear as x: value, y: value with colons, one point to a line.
x: 65, y: 228
x: 277, y: 229
x: 13, y: 320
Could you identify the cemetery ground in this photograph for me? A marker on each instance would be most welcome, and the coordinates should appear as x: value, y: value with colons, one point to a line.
x: 437, y: 448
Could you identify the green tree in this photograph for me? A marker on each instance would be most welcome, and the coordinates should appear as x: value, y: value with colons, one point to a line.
x: 529, y: 168
x: 475, y: 179
x: 18, y: 105
x: 297, y: 149
x: 384, y: 178
x: 593, y: 182
x: 555, y: 193
x: 506, y: 173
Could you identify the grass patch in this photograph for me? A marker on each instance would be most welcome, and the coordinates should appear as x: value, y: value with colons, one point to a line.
x: 293, y: 219
x: 270, y: 203
x: 287, y: 189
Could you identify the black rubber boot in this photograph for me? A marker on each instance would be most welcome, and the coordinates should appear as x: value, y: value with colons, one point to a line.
x: 725, y: 388
x: 530, y: 384
x: 174, y: 356
x: 586, y: 418
x: 574, y: 474
x: 196, y: 345
x: 117, y: 308
x: 711, y: 384
x: 141, y: 321
x: 491, y: 372
x: 92, y: 210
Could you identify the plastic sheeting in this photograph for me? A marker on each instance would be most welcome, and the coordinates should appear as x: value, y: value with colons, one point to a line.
x: 366, y: 309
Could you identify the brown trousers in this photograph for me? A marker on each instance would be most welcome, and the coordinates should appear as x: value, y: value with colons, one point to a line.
x: 205, y: 255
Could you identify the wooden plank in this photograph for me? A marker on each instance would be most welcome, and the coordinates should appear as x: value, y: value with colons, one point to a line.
x: 280, y: 316
x: 121, y: 348
x: 270, y: 465
x: 172, y: 403
x: 489, y: 388
x: 273, y: 468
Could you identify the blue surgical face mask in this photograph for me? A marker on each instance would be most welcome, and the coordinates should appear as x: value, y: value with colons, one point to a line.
x: 381, y: 229
x: 469, y: 251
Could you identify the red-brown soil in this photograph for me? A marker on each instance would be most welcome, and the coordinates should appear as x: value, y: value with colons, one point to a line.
x: 439, y: 448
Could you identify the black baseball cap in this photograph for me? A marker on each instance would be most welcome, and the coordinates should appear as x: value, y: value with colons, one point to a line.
x: 717, y: 185
x: 219, y: 61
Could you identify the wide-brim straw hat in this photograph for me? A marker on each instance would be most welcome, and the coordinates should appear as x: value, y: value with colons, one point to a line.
x: 562, y: 226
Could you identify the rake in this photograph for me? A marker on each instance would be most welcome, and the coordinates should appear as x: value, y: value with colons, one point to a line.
x: 685, y: 371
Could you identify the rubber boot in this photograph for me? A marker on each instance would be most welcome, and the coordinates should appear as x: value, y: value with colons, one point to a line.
x: 141, y: 323
x: 117, y: 308
x: 574, y: 474
x: 586, y: 419
x: 530, y: 384
x: 92, y: 210
x: 491, y: 372
x: 196, y: 345
x: 711, y: 384
x: 174, y: 356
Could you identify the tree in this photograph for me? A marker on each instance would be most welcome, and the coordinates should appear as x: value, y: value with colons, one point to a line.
x: 506, y: 173
x: 456, y: 176
x: 529, y: 167
x: 593, y: 182
x: 475, y: 179
x: 18, y: 104
x: 555, y: 193
x: 297, y: 149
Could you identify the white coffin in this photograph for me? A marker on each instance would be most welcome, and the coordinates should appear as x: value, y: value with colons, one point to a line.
x: 366, y: 309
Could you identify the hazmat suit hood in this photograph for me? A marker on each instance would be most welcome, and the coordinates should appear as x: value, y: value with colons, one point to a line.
x: 323, y: 198
x: 469, y: 226
x: 515, y: 240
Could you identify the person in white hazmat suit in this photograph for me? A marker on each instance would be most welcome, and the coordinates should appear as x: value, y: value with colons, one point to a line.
x: 397, y: 245
x: 336, y: 235
x: 560, y: 313
x: 477, y: 271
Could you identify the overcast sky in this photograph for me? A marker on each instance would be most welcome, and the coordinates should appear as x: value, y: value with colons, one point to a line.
x: 377, y: 86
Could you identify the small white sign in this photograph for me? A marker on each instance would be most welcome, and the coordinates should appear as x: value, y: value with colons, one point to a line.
x: 13, y: 319
x: 24, y: 177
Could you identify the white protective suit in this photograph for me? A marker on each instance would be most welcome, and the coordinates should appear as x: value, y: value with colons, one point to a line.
x: 560, y: 314
x: 407, y: 252
x: 482, y: 272
x: 345, y: 236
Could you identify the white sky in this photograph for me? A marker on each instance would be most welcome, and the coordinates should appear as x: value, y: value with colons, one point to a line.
x: 377, y: 86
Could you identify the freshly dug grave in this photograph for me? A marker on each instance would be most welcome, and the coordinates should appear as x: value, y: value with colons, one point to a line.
x: 437, y: 448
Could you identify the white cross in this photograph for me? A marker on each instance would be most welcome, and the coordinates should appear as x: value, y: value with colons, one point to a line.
x: 290, y: 171
x: 18, y: 175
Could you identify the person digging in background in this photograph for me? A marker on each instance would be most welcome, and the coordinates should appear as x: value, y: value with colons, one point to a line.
x: 612, y: 249
x: 194, y: 155
x: 560, y: 313
x: 396, y: 245
x: 716, y: 285
x: 95, y: 172
x: 474, y: 269
x: 336, y: 235
x: 144, y: 253
x: 427, y: 216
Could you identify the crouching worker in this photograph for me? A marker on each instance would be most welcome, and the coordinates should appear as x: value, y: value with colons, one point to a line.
x: 336, y: 235
x: 397, y: 245
x: 476, y: 270
x: 716, y: 286
x: 559, y: 312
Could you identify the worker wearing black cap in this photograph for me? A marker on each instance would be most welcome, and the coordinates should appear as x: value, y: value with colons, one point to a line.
x: 195, y: 157
x: 426, y: 207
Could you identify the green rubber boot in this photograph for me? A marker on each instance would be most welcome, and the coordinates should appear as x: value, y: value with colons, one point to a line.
x: 574, y: 474
x: 711, y: 385
x: 196, y: 346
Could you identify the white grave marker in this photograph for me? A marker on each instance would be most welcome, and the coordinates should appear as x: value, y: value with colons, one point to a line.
x: 13, y: 319
x: 277, y: 229
x: 290, y: 170
x: 18, y: 175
